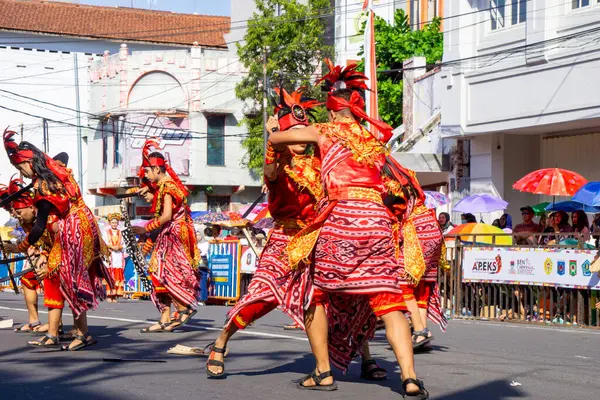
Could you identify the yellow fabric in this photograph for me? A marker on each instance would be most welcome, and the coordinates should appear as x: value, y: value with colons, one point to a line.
x: 414, y: 260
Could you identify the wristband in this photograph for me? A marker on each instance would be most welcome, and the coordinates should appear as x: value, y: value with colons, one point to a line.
x: 153, y: 225
x: 270, y: 155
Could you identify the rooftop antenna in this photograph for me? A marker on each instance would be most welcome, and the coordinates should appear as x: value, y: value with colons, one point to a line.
x: 151, y: 3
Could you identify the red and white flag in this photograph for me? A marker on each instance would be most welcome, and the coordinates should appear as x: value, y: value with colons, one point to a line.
x: 371, y: 66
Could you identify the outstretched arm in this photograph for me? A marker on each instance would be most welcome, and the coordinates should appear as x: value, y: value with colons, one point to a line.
x: 295, y: 136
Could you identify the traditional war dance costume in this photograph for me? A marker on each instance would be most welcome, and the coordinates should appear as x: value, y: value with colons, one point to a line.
x: 355, y: 236
x: 294, y: 191
x: 422, y: 244
x: 174, y: 254
x: 116, y: 246
x: 78, y: 252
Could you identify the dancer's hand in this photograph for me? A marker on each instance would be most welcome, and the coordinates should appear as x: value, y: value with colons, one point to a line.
x: 272, y: 125
x: 41, y: 267
x: 138, y: 230
x: 10, y: 248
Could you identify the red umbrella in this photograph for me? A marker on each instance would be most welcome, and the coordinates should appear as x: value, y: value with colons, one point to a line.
x: 551, y: 182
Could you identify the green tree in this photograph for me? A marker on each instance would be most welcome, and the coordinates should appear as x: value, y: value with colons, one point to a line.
x: 395, y: 43
x: 294, y: 43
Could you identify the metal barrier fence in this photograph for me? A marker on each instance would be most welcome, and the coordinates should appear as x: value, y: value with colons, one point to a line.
x: 545, y: 304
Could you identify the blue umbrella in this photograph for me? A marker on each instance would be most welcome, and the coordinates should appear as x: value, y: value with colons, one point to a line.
x: 480, y: 203
x: 589, y: 194
x: 571, y: 206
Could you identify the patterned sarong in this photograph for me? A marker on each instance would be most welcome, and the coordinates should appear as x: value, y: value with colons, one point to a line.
x: 171, y: 263
x: 356, y: 250
x: 273, y: 281
x: 78, y: 252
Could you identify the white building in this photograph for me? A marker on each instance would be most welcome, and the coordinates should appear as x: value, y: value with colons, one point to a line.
x: 349, y: 17
x: 187, y: 99
x: 521, y: 90
x: 39, y: 43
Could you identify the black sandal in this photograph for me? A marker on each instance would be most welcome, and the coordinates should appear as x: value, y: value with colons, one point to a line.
x: 216, y: 363
x: 44, y: 341
x: 317, y: 379
x: 84, y: 343
x: 422, y: 394
x: 369, y: 373
x: 30, y: 326
x: 424, y: 334
x: 178, y: 323
x: 161, y: 329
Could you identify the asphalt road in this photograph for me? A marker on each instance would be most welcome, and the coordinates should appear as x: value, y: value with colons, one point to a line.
x: 472, y: 360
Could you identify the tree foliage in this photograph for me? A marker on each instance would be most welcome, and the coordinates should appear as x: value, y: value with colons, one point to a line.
x: 294, y: 43
x: 395, y: 43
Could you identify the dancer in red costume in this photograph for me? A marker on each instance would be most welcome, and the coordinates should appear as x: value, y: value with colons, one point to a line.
x: 421, y: 250
x: 114, y: 241
x: 174, y: 254
x: 293, y: 180
x: 354, y: 237
x: 76, y: 256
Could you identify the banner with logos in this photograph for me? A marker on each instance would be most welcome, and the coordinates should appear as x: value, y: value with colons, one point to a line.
x: 530, y: 266
x: 224, y: 268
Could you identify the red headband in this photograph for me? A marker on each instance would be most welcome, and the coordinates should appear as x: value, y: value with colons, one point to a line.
x: 357, y: 107
x: 15, y: 155
x: 25, y: 199
x: 148, y: 161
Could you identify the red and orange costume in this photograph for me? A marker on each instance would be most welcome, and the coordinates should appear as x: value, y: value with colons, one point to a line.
x: 293, y: 196
x: 77, y: 253
x: 354, y: 237
x: 175, y: 253
x: 114, y: 238
x: 421, y: 240
x: 53, y: 297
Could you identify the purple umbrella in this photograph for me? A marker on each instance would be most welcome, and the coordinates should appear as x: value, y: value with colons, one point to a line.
x: 265, y: 223
x: 480, y: 203
x: 435, y: 199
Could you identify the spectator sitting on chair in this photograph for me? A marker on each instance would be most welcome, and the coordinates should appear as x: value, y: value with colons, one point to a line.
x: 527, y: 228
x: 559, y: 223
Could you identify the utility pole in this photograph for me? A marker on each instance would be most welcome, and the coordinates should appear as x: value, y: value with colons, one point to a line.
x: 45, y: 133
x: 79, y: 136
x: 265, y: 95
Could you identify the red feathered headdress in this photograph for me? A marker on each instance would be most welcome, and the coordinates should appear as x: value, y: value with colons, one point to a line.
x: 148, y: 161
x: 349, y: 78
x: 15, y: 155
x: 294, y: 109
x: 25, y: 199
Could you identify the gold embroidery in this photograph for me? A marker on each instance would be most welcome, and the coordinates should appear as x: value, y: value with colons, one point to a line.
x: 306, y: 172
x: 166, y: 185
x: 364, y: 147
x: 414, y: 260
x: 356, y: 193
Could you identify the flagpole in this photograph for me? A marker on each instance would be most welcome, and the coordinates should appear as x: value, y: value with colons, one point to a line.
x: 371, y: 66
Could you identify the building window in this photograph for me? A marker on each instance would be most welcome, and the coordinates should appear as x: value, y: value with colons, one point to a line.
x: 506, y: 13
x: 215, y: 141
x: 217, y: 203
x: 580, y: 3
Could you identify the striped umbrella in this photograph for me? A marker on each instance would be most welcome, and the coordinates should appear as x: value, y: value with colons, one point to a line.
x: 468, y: 233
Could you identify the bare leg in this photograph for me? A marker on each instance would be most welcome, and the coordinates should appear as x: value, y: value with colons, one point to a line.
x: 54, y: 318
x: 31, y: 301
x: 423, y: 313
x: 398, y: 335
x: 221, y: 343
x: 316, y: 330
x: 415, y: 315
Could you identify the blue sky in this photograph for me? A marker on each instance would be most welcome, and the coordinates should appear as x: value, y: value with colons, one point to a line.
x: 210, y: 7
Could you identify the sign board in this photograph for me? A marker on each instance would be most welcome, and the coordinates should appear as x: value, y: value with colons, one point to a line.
x: 248, y: 261
x: 530, y: 266
x: 224, y: 268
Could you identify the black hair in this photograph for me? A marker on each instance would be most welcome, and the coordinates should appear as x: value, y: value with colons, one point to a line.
x: 40, y: 168
x: 156, y: 154
x: 582, y: 221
